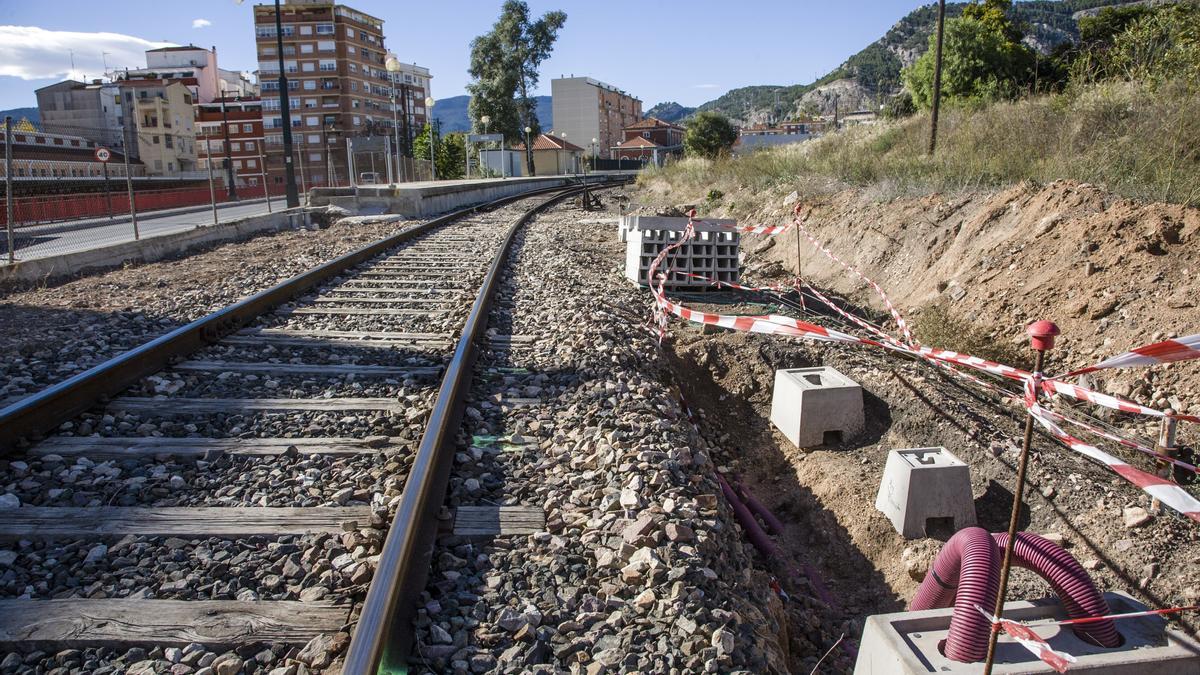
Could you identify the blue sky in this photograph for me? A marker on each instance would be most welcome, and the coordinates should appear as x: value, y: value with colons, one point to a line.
x: 688, y: 52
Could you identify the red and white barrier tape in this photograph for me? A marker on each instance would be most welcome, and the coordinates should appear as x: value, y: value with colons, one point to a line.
x: 1167, y: 351
x: 1165, y: 491
x: 1024, y: 636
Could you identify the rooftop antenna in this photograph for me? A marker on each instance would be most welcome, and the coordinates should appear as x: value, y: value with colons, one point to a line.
x: 104, y: 58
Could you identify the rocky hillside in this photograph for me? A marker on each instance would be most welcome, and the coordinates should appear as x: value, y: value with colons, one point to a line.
x: 868, y: 77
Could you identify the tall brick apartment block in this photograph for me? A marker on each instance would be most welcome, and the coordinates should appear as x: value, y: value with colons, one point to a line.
x: 241, y: 123
x: 338, y: 88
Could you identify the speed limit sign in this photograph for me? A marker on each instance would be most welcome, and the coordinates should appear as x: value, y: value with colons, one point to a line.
x: 103, y: 154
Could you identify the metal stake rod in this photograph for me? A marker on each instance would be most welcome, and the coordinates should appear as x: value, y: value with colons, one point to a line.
x: 387, y: 157
x: 129, y: 185
x: 212, y: 193
x: 262, y: 171
x: 8, y: 183
x: 1165, y: 446
x: 1041, y: 335
x: 937, y: 77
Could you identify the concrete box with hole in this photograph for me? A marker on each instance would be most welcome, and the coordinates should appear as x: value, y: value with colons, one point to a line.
x: 713, y: 253
x: 816, y: 406
x: 907, y: 644
x: 922, y: 487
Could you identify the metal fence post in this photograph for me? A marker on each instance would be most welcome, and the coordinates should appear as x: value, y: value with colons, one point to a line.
x: 8, y: 181
x: 129, y: 186
x: 262, y: 169
x: 212, y: 193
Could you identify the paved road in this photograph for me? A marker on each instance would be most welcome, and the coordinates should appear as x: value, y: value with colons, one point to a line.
x: 44, y: 241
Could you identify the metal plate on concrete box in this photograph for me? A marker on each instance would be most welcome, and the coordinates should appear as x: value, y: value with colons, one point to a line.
x: 907, y: 644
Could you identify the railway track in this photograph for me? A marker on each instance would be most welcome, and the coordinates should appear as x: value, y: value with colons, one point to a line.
x: 218, y: 500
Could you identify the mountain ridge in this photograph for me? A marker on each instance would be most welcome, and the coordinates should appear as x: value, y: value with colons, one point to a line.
x: 868, y: 77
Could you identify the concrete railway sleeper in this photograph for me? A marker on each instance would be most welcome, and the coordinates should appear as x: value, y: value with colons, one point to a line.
x: 228, y: 510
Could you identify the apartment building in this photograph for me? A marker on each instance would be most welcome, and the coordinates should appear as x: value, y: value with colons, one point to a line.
x: 194, y: 67
x: 585, y: 108
x: 88, y: 110
x: 230, y: 130
x: 161, y: 119
x: 334, y: 60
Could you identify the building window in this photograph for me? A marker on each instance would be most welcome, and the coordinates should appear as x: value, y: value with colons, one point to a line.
x: 311, y: 121
x: 324, y: 29
x: 326, y: 46
x: 154, y: 140
x: 328, y: 65
x: 357, y: 120
x: 306, y: 48
x: 250, y: 146
x: 349, y: 32
x: 308, y: 66
x: 235, y: 146
x: 237, y: 163
x: 306, y: 30
x: 310, y: 85
x: 252, y: 164
x: 351, y: 49
x: 314, y: 156
x: 169, y: 141
x: 247, y: 128
x: 158, y: 165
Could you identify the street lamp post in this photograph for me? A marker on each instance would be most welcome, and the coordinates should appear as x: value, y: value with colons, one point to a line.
x: 563, y: 134
x: 595, y: 146
x: 432, y: 150
x: 529, y: 150
x: 393, y: 67
x: 285, y: 115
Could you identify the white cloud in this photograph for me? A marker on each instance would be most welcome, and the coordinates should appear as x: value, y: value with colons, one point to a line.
x: 33, y: 53
x: 201, y: 23
x: 705, y: 86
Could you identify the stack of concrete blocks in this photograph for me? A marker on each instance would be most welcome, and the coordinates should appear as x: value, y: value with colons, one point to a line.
x: 713, y: 253
x: 920, y: 484
x: 907, y: 644
x: 809, y: 403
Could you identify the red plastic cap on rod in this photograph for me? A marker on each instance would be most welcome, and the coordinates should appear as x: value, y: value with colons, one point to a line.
x: 1041, y: 334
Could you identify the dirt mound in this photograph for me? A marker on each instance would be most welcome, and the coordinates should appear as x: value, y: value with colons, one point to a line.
x: 1113, y: 273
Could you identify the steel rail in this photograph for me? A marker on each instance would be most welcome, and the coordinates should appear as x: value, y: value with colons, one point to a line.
x: 381, y: 640
x: 50, y: 407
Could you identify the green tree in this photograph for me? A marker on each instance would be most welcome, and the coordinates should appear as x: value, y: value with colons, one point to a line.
x: 981, y: 60
x: 449, y: 152
x: 1159, y: 46
x: 708, y: 135
x: 504, y: 65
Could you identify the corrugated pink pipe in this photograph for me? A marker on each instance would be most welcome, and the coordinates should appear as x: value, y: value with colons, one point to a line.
x: 965, y: 573
x: 1071, y: 583
x: 772, y: 523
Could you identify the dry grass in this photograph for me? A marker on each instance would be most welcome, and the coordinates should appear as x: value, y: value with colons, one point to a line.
x: 936, y: 325
x: 1132, y: 141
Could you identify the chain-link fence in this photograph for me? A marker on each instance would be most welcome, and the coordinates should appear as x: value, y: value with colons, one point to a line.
x: 71, y: 188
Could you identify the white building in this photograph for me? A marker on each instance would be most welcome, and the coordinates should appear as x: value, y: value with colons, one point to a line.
x: 588, y: 109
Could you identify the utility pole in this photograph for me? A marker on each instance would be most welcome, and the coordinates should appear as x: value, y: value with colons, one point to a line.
x: 228, y: 157
x: 285, y: 113
x: 129, y: 175
x: 937, y: 77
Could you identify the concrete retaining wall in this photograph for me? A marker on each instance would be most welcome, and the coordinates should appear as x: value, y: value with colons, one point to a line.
x: 423, y: 200
x: 151, y: 249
